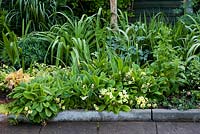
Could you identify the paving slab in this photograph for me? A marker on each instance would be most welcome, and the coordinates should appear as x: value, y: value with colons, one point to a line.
x: 5, y: 128
x: 70, y: 128
x: 178, y: 128
x: 176, y: 115
x: 127, y: 128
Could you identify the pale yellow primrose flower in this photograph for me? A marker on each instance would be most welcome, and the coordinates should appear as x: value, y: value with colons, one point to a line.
x: 63, y: 107
x: 26, y: 108
x: 142, y: 105
x: 30, y: 111
x: 103, y: 91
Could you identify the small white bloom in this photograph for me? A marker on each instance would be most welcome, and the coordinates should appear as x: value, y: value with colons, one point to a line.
x: 120, y: 101
x: 111, y: 95
x: 126, y: 96
x: 30, y: 111
x: 84, y: 86
x: 92, y: 86
x: 148, y: 84
x: 154, y: 105
x: 60, y: 105
x: 148, y: 105
x: 57, y: 100
x: 63, y: 107
x: 103, y: 91
x: 124, y: 92
x: 26, y: 108
x: 142, y: 105
x: 130, y: 82
x: 125, y: 100
x: 83, y: 97
x: 121, y: 94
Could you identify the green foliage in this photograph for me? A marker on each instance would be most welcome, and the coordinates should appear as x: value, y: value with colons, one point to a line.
x: 33, y: 50
x: 75, y: 37
x: 10, y: 52
x: 41, y: 14
x: 36, y: 100
x: 91, y: 6
x: 138, y: 65
x: 193, y: 74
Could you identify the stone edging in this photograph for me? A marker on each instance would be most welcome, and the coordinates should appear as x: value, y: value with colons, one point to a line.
x: 134, y: 115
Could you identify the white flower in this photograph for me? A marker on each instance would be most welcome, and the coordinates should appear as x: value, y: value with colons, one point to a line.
x: 26, y: 108
x: 124, y: 92
x: 125, y: 100
x: 92, y: 86
x: 148, y: 84
x: 60, y: 105
x: 120, y: 101
x: 57, y: 100
x: 63, y: 107
x: 154, y: 105
x: 130, y: 82
x: 138, y: 102
x: 148, y: 105
x: 121, y: 94
x: 143, y: 86
x: 142, y: 105
x: 111, y: 95
x: 126, y: 96
x: 30, y: 111
x: 103, y: 91
x: 84, y: 86
x: 83, y: 97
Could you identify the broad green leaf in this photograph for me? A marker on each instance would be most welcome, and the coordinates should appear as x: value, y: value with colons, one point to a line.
x: 29, y: 95
x: 46, y: 104
x: 39, y: 108
x: 158, y: 93
x: 17, y: 95
x: 102, y: 107
x: 53, y: 108
x: 125, y: 108
x: 35, y: 105
x: 41, y: 98
x: 48, y: 112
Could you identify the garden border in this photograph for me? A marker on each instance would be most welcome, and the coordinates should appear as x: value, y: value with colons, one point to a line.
x: 192, y: 115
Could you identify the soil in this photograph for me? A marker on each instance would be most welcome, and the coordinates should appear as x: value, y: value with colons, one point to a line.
x: 3, y: 97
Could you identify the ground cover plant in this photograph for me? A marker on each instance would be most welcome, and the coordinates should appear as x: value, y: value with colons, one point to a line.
x: 81, y: 63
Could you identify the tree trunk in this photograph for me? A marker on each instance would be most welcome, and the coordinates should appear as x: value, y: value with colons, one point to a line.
x: 113, y: 8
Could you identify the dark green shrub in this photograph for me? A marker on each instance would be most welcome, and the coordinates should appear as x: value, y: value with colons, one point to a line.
x: 33, y: 50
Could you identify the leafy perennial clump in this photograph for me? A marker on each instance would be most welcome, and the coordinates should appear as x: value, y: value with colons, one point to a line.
x: 114, y: 100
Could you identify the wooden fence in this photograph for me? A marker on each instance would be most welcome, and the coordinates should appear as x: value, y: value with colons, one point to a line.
x: 170, y: 8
